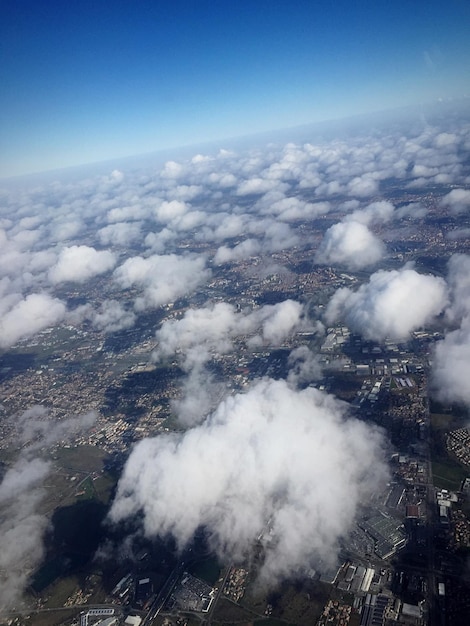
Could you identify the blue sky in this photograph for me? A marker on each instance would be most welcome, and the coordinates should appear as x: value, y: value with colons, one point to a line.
x: 90, y: 80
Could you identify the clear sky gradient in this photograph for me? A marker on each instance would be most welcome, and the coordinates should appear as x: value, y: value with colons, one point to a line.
x: 88, y: 80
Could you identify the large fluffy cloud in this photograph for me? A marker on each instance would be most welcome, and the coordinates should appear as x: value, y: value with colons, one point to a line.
x: 162, y: 277
x: 80, y: 263
x: 274, y: 465
x: 392, y: 304
x: 28, y: 316
x: 350, y: 243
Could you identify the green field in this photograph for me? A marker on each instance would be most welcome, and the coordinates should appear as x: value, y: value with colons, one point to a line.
x: 56, y: 618
x: 271, y: 621
x: 81, y: 459
x: 207, y: 570
x: 448, y: 474
x: 227, y: 612
x: 299, y: 604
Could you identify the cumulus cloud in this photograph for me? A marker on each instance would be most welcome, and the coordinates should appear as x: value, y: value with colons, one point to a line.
x: 212, y: 329
x: 22, y: 524
x: 257, y: 470
x: 351, y: 244
x: 451, y: 366
x: 36, y: 428
x: 459, y: 282
x: 290, y: 209
x: 304, y: 365
x: 168, y: 211
x: 451, y: 363
x: 199, y: 394
x: 458, y: 200
x: 363, y: 186
x: 28, y: 316
x: 258, y: 185
x: 207, y: 197
x: 243, y: 250
x: 162, y: 277
x: 381, y: 211
x: 458, y: 233
x: 21, y: 527
x: 80, y: 263
x: 392, y: 304
x: 172, y: 170
x: 110, y: 317
x: 113, y: 317
x: 120, y: 233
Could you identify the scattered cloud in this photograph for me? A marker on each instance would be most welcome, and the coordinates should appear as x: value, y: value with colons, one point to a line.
x: 201, y: 332
x: 215, y: 330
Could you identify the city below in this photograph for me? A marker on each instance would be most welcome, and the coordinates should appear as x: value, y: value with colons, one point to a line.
x: 239, y: 416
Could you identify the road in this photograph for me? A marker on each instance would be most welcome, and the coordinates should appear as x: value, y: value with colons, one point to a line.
x: 435, y: 616
x: 162, y: 597
x: 220, y: 589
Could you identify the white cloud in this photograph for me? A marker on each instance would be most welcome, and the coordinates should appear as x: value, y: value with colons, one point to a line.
x: 459, y: 283
x: 457, y: 200
x: 120, y: 233
x: 167, y: 211
x: 350, y: 243
x: 291, y: 209
x: 451, y: 366
x: 257, y: 185
x: 392, y: 304
x: 259, y: 466
x: 162, y: 277
x: 172, y: 170
x: 21, y: 527
x: 363, y: 186
x: 80, y: 263
x: 22, y: 522
x: 28, y: 316
x: 243, y: 250
x: 381, y: 211
x: 112, y: 316
x: 304, y: 365
x: 212, y: 329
